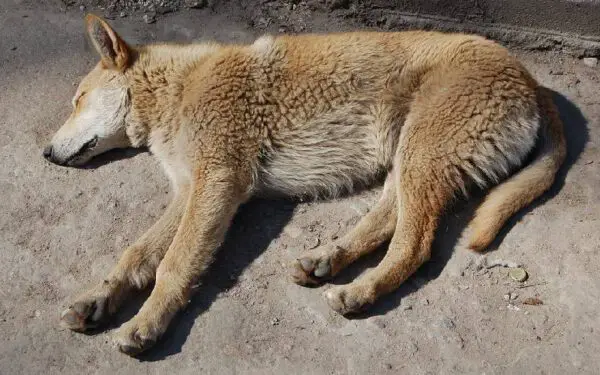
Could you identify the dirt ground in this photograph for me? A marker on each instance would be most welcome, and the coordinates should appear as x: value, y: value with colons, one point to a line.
x: 62, y: 229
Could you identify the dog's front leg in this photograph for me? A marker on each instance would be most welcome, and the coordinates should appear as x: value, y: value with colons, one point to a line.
x: 213, y: 200
x: 135, y: 270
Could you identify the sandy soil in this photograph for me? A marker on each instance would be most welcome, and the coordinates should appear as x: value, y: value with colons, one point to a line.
x: 62, y: 229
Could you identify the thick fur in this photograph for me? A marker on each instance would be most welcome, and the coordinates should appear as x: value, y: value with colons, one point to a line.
x: 308, y: 116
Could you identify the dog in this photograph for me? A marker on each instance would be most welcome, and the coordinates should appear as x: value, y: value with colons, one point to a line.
x: 432, y: 114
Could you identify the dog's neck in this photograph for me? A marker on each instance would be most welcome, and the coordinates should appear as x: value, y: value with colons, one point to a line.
x: 157, y: 78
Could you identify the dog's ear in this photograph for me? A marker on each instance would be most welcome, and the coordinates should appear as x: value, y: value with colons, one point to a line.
x: 114, y: 52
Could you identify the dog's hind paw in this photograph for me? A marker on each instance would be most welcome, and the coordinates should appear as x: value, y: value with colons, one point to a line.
x: 349, y: 299
x: 310, y: 270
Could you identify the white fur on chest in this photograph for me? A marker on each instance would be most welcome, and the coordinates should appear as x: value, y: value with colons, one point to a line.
x: 174, y: 163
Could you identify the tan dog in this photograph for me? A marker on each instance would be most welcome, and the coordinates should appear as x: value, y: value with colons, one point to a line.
x: 311, y: 115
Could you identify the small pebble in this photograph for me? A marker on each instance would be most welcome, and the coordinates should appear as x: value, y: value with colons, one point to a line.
x: 82, y: 8
x: 518, y: 274
x: 275, y: 321
x: 122, y: 14
x: 592, y: 62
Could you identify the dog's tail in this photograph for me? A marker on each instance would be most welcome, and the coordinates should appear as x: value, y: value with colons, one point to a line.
x: 528, y: 184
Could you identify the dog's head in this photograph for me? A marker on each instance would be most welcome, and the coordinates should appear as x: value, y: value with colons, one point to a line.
x: 100, y: 105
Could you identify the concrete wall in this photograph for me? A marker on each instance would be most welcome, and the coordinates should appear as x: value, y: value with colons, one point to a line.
x: 571, y: 16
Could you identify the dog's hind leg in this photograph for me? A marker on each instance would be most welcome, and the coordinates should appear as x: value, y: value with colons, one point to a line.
x: 421, y: 199
x: 135, y: 270
x: 372, y: 230
x: 459, y: 130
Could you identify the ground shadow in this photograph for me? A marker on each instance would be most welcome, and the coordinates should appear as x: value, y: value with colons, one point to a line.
x: 112, y: 156
x: 254, y: 227
x: 454, y: 222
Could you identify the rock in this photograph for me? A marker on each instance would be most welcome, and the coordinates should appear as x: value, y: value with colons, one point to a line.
x: 263, y: 22
x: 518, y: 274
x: 149, y: 18
x: 592, y: 62
x: 275, y: 321
x: 122, y: 14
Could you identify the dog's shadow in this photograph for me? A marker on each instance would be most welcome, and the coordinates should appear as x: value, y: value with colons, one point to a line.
x: 260, y: 221
x: 112, y: 156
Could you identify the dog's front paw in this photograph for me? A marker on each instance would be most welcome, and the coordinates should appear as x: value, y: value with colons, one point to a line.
x: 85, y: 314
x: 134, y: 337
x: 348, y: 299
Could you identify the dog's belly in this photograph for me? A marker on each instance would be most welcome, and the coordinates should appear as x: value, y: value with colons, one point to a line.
x: 335, y: 153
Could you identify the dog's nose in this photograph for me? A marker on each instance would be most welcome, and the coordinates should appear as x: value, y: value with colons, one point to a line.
x: 47, y: 152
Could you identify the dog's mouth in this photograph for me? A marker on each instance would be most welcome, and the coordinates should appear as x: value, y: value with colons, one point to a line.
x: 86, y: 148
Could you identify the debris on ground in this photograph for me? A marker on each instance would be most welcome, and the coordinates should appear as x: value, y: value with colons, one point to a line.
x: 511, y: 296
x: 501, y: 263
x: 534, y: 301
